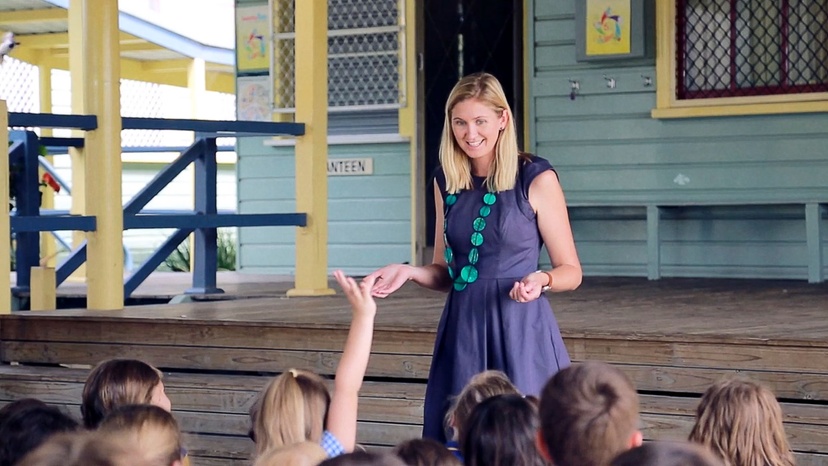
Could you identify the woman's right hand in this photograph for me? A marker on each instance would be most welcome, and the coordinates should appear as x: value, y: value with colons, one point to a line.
x: 389, y: 279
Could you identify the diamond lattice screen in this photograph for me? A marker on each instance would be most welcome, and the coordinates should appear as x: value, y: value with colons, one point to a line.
x: 19, y: 86
x: 744, y: 48
x: 365, y: 42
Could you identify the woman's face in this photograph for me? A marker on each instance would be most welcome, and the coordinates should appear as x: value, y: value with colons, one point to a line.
x: 159, y: 397
x: 476, y: 127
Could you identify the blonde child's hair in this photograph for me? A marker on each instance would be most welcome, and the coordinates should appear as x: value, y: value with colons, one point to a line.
x: 299, y: 454
x: 151, y: 430
x: 292, y: 408
x: 456, y: 166
x: 741, y: 421
x: 484, y: 385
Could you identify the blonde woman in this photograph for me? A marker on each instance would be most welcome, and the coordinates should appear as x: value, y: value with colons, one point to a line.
x: 741, y: 421
x: 495, y: 207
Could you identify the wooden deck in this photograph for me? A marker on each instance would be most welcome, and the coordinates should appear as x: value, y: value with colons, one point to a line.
x: 672, y: 337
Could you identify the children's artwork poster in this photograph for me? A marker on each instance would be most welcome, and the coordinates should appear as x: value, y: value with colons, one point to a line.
x: 607, y: 27
x: 252, y: 38
x: 253, y: 99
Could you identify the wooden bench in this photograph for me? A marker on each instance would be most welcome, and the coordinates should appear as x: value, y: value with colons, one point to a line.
x: 656, y: 212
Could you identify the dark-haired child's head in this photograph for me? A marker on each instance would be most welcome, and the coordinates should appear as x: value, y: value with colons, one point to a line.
x: 425, y: 452
x: 667, y: 454
x: 28, y: 423
x: 589, y: 414
x: 501, y: 430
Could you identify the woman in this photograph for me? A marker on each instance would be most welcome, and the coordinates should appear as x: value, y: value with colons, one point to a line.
x: 495, y: 208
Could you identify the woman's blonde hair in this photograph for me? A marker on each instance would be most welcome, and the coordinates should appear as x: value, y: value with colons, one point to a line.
x: 292, y: 408
x: 149, y: 429
x: 298, y: 454
x: 741, y: 421
x: 487, y: 90
x: 484, y: 385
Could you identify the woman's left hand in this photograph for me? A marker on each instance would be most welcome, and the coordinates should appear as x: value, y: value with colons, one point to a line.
x: 529, y: 288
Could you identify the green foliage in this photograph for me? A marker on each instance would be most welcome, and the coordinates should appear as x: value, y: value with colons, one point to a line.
x: 179, y: 260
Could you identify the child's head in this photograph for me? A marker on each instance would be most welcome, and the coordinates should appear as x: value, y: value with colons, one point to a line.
x: 292, y: 408
x: 501, y: 430
x: 119, y: 382
x: 58, y: 450
x: 298, y: 454
x: 589, y: 414
x: 150, y: 429
x: 363, y: 458
x: 667, y: 454
x: 742, y: 422
x: 28, y: 423
x: 483, y: 385
x: 425, y: 452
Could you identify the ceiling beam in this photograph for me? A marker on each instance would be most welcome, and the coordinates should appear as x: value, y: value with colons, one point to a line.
x: 18, y: 17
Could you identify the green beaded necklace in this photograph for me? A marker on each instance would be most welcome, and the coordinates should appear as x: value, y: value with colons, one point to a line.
x: 468, y: 274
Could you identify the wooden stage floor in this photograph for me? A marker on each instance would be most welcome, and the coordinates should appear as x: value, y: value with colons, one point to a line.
x: 673, y: 337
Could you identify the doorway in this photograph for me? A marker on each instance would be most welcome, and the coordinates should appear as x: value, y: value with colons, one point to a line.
x: 463, y: 37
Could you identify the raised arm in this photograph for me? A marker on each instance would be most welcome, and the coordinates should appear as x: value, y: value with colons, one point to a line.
x: 433, y: 276
x: 342, y: 414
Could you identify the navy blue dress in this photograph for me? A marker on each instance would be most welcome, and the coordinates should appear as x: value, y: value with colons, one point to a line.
x: 481, y: 327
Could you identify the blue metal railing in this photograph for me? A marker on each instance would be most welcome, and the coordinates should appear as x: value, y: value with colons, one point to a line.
x: 202, y: 221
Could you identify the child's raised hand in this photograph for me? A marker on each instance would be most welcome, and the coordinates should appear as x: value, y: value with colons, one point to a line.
x: 359, y: 294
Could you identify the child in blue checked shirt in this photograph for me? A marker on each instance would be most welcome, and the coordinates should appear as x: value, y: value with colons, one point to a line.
x: 292, y: 407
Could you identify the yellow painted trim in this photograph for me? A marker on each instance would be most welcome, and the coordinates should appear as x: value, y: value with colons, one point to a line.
x: 37, y: 16
x: 528, y: 73
x: 741, y: 110
x: 5, y: 223
x: 312, y: 148
x: 78, y: 75
x: 667, y: 106
x: 409, y: 119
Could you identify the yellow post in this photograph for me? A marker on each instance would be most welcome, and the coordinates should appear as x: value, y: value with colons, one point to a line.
x: 5, y: 226
x: 94, y: 34
x: 197, y: 84
x: 48, y: 247
x: 411, y: 121
x: 44, y: 289
x: 312, y: 148
x: 78, y: 77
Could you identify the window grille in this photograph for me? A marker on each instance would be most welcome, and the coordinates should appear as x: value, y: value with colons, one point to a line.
x: 19, y: 86
x: 731, y: 48
x: 366, y: 46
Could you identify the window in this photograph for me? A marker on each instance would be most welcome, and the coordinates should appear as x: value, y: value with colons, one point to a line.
x: 742, y: 57
x: 365, y: 49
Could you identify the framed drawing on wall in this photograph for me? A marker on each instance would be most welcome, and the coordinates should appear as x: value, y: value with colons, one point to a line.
x: 609, y: 29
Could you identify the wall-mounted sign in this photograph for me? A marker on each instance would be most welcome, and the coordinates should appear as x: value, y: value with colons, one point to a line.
x: 346, y: 167
x: 252, y: 41
x: 609, y: 29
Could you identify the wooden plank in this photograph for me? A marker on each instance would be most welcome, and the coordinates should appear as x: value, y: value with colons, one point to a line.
x: 786, y: 385
x: 702, y: 355
x: 214, y: 334
x: 321, y: 362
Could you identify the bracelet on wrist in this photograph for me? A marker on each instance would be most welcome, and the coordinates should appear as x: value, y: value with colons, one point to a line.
x: 548, y: 285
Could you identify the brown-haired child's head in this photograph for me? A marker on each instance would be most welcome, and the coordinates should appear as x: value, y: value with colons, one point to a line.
x: 425, y: 452
x: 741, y: 421
x: 482, y: 386
x: 118, y: 382
x: 667, y: 454
x: 589, y: 414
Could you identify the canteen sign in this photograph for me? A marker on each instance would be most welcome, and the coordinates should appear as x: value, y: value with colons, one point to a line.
x: 349, y: 167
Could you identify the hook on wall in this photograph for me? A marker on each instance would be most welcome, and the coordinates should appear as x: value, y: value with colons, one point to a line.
x: 574, y: 87
x: 648, y: 81
x: 610, y: 81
